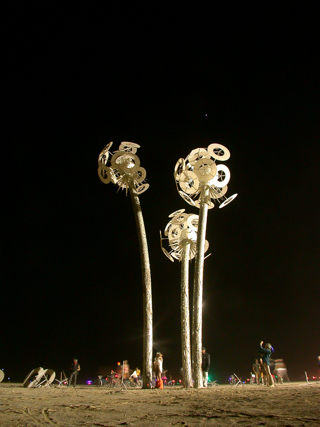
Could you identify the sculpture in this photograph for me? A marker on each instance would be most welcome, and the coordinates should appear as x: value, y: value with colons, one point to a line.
x: 201, y: 183
x: 126, y: 173
x: 181, y: 232
x: 39, y: 377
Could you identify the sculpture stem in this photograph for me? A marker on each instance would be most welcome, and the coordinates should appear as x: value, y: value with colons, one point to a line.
x: 185, y: 316
x: 146, y: 291
x: 198, y: 291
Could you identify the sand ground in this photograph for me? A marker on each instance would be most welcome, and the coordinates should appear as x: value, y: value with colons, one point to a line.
x: 293, y: 404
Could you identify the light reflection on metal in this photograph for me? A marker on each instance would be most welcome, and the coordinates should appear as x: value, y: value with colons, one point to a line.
x: 124, y: 169
x: 198, y: 170
x: 202, y: 183
x: 181, y: 229
x: 181, y: 233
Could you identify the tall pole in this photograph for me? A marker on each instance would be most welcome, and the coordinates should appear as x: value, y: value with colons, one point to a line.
x: 199, y: 175
x: 185, y: 316
x: 198, y: 290
x: 146, y: 290
x: 125, y: 171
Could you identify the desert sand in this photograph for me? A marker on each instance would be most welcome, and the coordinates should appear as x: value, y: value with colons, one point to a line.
x: 291, y: 404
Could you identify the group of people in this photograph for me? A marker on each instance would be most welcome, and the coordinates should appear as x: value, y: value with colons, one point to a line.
x: 261, y: 367
x: 264, y: 366
x: 158, y: 369
x: 123, y: 372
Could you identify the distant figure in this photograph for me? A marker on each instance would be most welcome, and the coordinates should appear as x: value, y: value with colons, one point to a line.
x: 164, y: 377
x: 262, y: 376
x: 118, y: 371
x: 135, y: 375
x: 75, y: 368
x: 125, y: 370
x: 205, y: 366
x: 138, y: 373
x: 256, y: 367
x: 158, y: 368
x: 266, y: 353
x: 280, y: 370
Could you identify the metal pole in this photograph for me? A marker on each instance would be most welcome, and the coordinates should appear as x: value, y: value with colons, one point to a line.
x: 146, y: 291
x: 198, y: 291
x: 185, y: 316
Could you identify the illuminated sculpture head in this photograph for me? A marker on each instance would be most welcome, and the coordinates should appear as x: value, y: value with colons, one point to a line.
x: 181, y: 229
x: 125, y: 170
x: 199, y: 170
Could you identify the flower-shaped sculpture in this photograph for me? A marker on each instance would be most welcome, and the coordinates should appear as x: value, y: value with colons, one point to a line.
x: 125, y: 170
x: 126, y: 173
x: 179, y: 231
x: 202, y: 182
x: 200, y: 170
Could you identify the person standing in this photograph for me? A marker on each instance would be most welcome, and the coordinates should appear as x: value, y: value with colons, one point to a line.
x: 266, y: 353
x: 125, y: 370
x: 158, y: 368
x: 205, y: 366
x: 75, y: 368
x: 256, y: 367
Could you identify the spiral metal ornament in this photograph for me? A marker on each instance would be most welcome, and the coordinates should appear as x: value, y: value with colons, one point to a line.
x: 129, y: 147
x: 198, y: 171
x: 179, y: 168
x: 124, y: 169
x: 181, y: 229
x: 104, y: 155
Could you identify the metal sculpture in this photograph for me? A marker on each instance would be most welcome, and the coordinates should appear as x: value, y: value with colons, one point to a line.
x: 202, y: 183
x: 39, y: 377
x: 125, y: 172
x: 181, y: 232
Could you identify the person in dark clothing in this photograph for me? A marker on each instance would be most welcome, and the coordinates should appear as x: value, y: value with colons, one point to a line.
x: 256, y: 367
x: 75, y: 368
x: 205, y: 366
x: 262, y: 376
x: 266, y: 353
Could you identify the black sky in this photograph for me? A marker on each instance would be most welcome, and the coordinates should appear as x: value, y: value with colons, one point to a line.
x: 171, y: 82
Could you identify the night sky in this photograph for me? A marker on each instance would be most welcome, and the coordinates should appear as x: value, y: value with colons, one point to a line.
x: 170, y: 82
